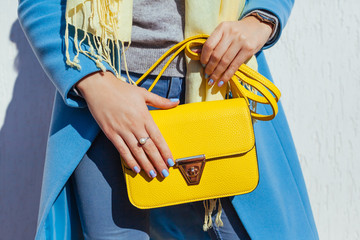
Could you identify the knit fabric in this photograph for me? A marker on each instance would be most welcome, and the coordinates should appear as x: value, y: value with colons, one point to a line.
x: 157, y: 26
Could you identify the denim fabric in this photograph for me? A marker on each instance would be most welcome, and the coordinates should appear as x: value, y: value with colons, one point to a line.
x: 106, y: 213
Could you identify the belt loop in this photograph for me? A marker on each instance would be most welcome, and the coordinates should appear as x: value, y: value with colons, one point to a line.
x: 175, y: 86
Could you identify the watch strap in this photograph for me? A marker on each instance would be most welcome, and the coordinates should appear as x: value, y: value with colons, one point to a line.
x: 268, y: 18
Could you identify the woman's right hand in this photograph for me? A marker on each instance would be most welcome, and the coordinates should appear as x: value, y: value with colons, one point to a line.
x: 121, y: 111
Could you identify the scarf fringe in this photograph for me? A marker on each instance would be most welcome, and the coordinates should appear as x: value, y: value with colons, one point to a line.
x: 104, y: 44
x: 210, y: 206
x: 253, y: 104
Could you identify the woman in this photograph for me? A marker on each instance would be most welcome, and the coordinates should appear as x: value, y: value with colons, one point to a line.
x: 77, y: 142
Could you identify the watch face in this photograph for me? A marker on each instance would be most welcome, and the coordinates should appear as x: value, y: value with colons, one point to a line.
x: 266, y: 18
x: 263, y: 18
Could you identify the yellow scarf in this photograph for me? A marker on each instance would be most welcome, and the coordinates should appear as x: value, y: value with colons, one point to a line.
x: 109, y: 23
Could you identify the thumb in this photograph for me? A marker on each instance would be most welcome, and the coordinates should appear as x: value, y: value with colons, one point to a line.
x: 160, y: 102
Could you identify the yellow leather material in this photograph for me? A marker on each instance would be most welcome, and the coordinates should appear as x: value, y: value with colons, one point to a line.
x: 221, y: 130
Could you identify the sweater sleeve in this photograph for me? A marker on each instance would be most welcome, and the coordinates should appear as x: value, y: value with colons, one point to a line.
x: 43, y: 22
x: 279, y: 8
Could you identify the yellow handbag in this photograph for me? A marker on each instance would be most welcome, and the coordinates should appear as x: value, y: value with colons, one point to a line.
x: 213, y: 142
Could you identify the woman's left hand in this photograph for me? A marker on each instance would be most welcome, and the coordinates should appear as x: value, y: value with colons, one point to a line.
x: 230, y: 45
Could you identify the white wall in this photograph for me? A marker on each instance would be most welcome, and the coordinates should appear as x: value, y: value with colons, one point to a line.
x: 316, y: 65
x: 26, y: 97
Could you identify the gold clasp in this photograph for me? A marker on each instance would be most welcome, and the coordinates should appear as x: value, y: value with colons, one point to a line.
x: 191, y: 168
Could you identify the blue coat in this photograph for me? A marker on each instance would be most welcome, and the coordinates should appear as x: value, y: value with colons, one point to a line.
x: 279, y: 207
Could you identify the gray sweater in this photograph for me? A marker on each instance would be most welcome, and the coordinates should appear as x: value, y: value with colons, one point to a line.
x: 157, y: 26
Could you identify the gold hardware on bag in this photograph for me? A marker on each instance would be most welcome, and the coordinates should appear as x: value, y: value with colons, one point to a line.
x: 191, y: 168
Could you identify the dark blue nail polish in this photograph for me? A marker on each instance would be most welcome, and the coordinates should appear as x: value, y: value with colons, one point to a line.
x: 170, y: 162
x: 152, y: 173
x: 173, y: 99
x: 165, y: 172
x: 206, y: 76
x: 136, y: 169
x: 203, y: 65
x: 210, y: 82
x: 220, y: 83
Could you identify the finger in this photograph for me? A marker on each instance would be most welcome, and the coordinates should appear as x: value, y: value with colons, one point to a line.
x: 139, y: 154
x: 160, y: 142
x: 216, y: 57
x: 125, y: 153
x: 160, y: 102
x: 153, y: 153
x: 240, y: 58
x: 218, y: 75
x: 209, y: 45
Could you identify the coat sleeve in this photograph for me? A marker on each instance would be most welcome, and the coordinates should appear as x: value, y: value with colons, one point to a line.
x: 279, y: 8
x: 43, y: 22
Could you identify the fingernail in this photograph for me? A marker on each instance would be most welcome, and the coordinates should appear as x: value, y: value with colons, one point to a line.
x: 173, y: 99
x: 136, y: 169
x: 170, y: 162
x: 203, y: 65
x: 210, y: 82
x: 152, y: 173
x: 206, y: 76
x: 220, y: 83
x: 165, y: 172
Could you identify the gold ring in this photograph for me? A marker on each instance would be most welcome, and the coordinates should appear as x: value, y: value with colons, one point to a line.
x: 143, y: 140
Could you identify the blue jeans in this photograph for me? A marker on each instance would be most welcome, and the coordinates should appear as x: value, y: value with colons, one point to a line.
x: 104, y: 208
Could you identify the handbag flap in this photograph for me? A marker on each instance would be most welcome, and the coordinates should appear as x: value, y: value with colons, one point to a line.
x: 214, y: 128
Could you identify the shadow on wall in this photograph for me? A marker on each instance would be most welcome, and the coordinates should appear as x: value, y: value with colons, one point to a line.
x: 23, y: 143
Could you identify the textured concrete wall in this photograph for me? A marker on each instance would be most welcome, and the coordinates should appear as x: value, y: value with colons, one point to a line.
x: 26, y: 97
x: 316, y: 65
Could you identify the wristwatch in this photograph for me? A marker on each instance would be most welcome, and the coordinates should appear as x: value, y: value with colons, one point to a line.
x: 267, y: 18
x: 263, y: 18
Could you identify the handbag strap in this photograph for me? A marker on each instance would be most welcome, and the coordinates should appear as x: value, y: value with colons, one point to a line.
x: 249, y: 77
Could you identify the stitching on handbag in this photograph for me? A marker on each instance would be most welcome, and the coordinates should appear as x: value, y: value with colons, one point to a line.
x: 190, y: 200
x: 193, y: 199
